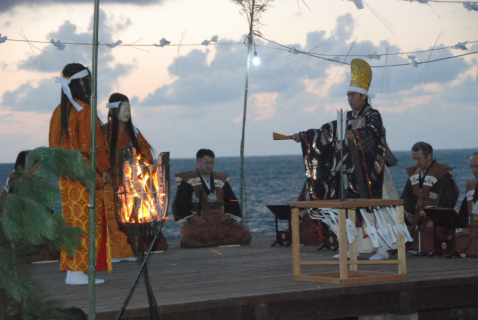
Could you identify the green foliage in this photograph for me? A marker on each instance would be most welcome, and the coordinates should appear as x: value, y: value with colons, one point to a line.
x: 36, y: 307
x: 61, y: 163
x: 28, y: 221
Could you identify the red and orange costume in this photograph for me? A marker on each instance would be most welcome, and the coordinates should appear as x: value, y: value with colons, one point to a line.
x: 119, y: 242
x: 74, y: 196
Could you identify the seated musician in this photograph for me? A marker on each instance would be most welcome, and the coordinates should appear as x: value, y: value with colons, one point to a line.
x: 9, y: 184
x: 430, y: 184
x: 469, y: 211
x: 207, y: 205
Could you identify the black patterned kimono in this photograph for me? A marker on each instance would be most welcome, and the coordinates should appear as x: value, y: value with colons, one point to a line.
x: 364, y: 158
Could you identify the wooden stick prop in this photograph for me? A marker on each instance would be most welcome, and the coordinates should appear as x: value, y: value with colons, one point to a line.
x: 278, y: 136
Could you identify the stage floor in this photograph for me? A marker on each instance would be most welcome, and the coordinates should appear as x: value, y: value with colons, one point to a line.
x: 255, y: 282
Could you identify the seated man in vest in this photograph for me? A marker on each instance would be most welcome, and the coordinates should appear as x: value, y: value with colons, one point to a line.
x: 469, y: 209
x: 430, y: 184
x: 206, y: 203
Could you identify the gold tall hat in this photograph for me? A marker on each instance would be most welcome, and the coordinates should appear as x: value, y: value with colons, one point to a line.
x: 361, y: 76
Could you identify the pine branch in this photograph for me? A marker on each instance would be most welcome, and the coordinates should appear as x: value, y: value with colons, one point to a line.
x: 28, y: 221
x: 61, y: 163
x: 36, y: 306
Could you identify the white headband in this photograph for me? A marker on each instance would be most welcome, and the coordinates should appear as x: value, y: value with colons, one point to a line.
x: 113, y: 105
x: 66, y: 89
x: 357, y: 89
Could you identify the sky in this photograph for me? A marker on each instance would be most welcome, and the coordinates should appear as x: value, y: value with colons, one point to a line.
x: 190, y: 97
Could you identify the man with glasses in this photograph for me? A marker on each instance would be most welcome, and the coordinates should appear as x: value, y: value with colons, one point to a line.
x: 430, y: 184
x: 207, y: 206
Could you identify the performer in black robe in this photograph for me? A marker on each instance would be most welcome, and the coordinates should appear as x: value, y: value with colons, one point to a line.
x: 363, y: 148
x: 364, y: 157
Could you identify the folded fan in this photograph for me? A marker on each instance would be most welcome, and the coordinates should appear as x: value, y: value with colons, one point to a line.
x: 278, y: 136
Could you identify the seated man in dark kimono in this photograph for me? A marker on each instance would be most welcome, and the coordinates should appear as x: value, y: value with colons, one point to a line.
x: 206, y: 202
x: 466, y: 239
x: 430, y: 184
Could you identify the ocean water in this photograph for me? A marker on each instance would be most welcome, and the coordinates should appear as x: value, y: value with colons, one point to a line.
x: 279, y: 180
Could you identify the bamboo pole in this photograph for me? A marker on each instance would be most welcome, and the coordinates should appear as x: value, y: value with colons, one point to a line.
x: 249, y: 54
x: 241, y: 190
x: 93, y: 147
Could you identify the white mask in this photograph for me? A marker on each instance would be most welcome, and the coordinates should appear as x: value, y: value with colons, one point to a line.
x: 124, y: 112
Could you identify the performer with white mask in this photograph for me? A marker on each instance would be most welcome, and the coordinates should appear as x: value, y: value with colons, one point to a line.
x: 120, y: 132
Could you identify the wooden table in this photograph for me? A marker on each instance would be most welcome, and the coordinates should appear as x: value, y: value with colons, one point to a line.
x: 348, y: 269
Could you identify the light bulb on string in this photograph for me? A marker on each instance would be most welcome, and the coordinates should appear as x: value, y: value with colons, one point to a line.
x: 256, y: 60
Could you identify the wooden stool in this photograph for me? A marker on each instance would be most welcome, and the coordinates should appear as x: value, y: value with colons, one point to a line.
x: 344, y: 275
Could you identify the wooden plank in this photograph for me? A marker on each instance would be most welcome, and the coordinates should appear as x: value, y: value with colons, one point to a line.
x: 376, y: 262
x: 185, y: 280
x: 312, y: 263
x: 295, y: 241
x: 316, y: 204
x: 350, y: 262
x: 346, y: 204
x: 402, y: 267
x: 319, y: 279
x: 353, y: 246
x: 342, y: 237
x: 362, y: 280
x: 358, y: 277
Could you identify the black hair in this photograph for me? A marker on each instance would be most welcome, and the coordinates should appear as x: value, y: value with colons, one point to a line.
x: 21, y: 159
x: 204, y: 152
x: 424, y: 147
x: 77, y: 92
x: 112, y: 134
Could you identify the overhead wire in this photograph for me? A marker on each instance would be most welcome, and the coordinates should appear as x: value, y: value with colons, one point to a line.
x: 322, y: 56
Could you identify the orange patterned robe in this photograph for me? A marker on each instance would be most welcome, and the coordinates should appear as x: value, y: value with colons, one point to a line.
x: 74, y: 196
x: 119, y: 245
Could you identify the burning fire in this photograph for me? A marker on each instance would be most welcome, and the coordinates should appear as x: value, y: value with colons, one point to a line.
x: 140, y: 197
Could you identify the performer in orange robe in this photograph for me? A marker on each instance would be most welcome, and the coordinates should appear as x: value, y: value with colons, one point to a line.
x: 70, y: 129
x: 119, y: 133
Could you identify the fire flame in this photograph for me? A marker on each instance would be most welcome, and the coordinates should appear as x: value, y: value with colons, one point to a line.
x: 140, y: 197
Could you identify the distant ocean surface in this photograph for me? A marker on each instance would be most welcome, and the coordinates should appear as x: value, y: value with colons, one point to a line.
x: 279, y: 180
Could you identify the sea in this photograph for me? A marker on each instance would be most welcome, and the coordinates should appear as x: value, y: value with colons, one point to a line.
x: 272, y: 180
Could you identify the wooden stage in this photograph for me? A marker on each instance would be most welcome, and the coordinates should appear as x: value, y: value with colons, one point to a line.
x: 256, y: 282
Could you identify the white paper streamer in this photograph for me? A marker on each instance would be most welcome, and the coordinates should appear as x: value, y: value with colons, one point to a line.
x: 66, y: 88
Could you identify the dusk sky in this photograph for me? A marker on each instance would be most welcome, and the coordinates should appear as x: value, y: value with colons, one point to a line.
x: 196, y: 101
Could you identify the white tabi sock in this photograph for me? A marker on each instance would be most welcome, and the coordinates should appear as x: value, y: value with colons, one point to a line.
x: 337, y: 256
x: 79, y: 277
x: 129, y: 259
x: 381, y: 254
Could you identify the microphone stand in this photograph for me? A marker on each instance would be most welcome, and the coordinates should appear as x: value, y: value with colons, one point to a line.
x: 419, y: 253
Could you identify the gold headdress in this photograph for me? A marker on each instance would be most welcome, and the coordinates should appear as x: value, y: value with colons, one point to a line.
x: 361, y: 76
